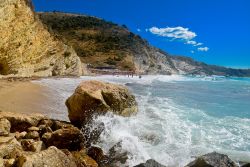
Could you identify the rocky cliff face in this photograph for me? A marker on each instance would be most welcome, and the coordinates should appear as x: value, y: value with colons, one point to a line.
x: 26, y: 46
x: 103, y: 44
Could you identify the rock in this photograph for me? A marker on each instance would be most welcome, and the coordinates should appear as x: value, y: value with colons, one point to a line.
x: 31, y: 145
x: 9, y: 147
x: 46, y: 122
x: 4, y: 127
x: 242, y: 164
x: 9, y: 162
x: 67, y: 138
x: 95, y: 97
x: 60, y: 125
x: 83, y: 160
x: 212, y: 160
x: 32, y: 135
x: 117, y: 155
x: 33, y: 128
x: 21, y: 122
x: 44, y: 129
x: 98, y: 155
x: 52, y: 157
x: 19, y: 135
x: 28, y: 48
x: 150, y: 163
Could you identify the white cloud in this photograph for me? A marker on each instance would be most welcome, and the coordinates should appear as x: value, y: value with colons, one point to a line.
x: 198, y: 44
x: 192, y: 51
x: 174, y: 32
x: 138, y: 29
x: 194, y: 43
x: 191, y: 42
x: 203, y: 49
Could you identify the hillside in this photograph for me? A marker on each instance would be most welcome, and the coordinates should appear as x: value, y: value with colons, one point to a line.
x: 27, y: 48
x: 103, y: 44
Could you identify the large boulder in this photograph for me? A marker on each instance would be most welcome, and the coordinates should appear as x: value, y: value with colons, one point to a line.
x: 52, y: 157
x: 212, y: 160
x: 95, y: 97
x: 9, y: 147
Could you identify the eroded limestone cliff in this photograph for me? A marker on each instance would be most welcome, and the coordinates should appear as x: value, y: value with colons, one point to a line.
x: 26, y: 46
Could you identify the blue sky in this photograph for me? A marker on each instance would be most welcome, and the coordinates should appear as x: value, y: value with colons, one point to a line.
x: 222, y: 26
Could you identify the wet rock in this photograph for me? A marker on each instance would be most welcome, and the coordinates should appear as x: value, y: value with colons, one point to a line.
x: 21, y: 122
x: 83, y: 160
x: 94, y: 98
x: 32, y: 135
x: 212, y: 160
x: 117, y: 155
x: 9, y: 147
x: 52, y: 157
x: 4, y: 127
x: 150, y: 163
x: 98, y: 155
x: 67, y: 138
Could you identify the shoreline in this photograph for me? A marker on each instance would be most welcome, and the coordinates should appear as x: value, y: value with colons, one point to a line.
x: 23, y: 96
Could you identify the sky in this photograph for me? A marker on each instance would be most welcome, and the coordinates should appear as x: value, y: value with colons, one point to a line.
x: 212, y: 31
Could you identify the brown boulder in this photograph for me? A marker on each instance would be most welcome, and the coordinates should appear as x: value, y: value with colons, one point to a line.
x: 67, y: 138
x: 21, y: 122
x: 83, y: 160
x: 213, y: 159
x: 95, y: 97
x: 9, y: 147
x: 31, y: 145
x: 4, y: 127
x: 52, y: 157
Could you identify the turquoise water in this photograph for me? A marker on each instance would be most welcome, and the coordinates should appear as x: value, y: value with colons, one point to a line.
x: 180, y: 117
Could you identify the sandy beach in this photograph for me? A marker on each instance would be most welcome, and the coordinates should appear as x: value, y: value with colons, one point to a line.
x: 23, y: 97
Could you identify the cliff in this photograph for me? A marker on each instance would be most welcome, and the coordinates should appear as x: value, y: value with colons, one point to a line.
x: 103, y: 44
x: 26, y: 46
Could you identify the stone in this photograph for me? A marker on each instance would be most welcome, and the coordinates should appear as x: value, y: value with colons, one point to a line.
x: 83, y: 160
x: 94, y: 98
x: 213, y: 159
x: 32, y: 135
x: 52, y: 157
x: 150, y: 163
x: 19, y: 135
x: 33, y: 128
x: 21, y: 122
x: 98, y: 155
x: 117, y: 155
x: 9, y: 147
x: 67, y: 138
x: 60, y: 125
x: 31, y: 145
x: 4, y: 127
x: 44, y: 129
x: 9, y: 162
x: 46, y: 122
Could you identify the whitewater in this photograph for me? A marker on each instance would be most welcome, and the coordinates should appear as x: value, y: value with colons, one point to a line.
x: 179, y: 117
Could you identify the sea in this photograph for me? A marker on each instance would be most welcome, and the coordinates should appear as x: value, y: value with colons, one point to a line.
x: 179, y: 118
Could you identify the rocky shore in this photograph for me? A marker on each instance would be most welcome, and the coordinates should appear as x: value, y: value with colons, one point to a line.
x: 34, y: 140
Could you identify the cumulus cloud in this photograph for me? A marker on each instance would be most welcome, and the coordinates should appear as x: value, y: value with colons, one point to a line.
x: 138, y: 29
x: 174, y: 32
x: 203, y: 49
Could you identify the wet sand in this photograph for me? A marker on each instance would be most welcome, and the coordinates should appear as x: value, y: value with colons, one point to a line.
x: 24, y: 97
